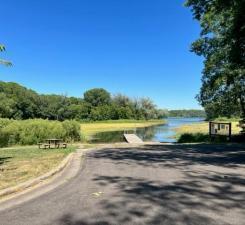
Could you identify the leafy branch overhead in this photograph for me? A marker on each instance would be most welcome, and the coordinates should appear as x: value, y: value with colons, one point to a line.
x: 2, y: 61
x: 222, y: 44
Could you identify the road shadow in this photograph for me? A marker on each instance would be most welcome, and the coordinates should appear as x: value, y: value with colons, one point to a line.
x: 178, y: 155
x: 200, y: 197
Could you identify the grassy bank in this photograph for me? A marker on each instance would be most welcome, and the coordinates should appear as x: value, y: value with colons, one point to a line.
x: 91, y: 128
x: 23, y: 163
x: 199, y: 132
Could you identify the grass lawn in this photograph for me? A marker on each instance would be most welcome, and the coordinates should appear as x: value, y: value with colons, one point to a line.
x: 202, y: 128
x: 91, y: 128
x: 20, y: 164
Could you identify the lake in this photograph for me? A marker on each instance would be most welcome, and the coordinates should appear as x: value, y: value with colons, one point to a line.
x: 159, y: 133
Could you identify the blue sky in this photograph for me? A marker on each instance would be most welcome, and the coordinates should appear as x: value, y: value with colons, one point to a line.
x: 135, y: 47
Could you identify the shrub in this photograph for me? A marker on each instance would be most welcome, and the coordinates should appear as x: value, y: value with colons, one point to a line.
x: 4, y: 138
x: 5, y: 122
x: 28, y: 132
x: 200, y: 137
x: 192, y: 138
x: 72, y: 130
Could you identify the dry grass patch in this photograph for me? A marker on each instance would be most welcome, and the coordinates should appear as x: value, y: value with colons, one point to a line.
x: 21, y: 164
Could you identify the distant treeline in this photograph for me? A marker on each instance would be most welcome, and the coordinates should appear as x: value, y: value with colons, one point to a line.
x: 18, y: 102
x: 187, y: 113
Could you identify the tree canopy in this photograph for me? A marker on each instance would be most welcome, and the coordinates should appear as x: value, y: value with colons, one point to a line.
x: 97, y: 97
x: 18, y: 102
x: 222, y: 44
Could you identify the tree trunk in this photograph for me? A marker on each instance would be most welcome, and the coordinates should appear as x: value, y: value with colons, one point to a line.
x: 242, y: 105
x: 242, y: 122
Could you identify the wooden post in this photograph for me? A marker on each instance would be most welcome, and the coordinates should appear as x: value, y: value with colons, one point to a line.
x: 230, y: 124
x: 210, y: 124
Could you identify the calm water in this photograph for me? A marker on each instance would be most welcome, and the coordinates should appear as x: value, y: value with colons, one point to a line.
x: 160, y: 133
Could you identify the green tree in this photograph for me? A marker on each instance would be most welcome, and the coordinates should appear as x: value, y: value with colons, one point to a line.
x: 7, y: 106
x: 2, y: 61
x: 103, y: 112
x: 53, y: 107
x: 18, y: 102
x: 78, y: 111
x: 148, y: 108
x: 97, y: 97
x: 162, y: 113
x: 124, y: 106
x: 24, y: 102
x: 222, y: 44
x: 122, y: 100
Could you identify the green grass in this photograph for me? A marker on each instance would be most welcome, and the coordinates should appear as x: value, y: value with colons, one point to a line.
x: 90, y: 128
x: 20, y: 164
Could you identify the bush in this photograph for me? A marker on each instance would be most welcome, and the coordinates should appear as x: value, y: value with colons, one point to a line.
x: 200, y: 137
x: 5, y: 122
x: 193, y: 138
x: 28, y: 132
x: 72, y: 130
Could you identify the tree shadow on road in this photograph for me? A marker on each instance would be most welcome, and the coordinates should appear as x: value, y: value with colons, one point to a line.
x: 178, y: 155
x: 201, y: 197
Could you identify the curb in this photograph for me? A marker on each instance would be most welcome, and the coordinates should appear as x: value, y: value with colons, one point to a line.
x: 38, y: 180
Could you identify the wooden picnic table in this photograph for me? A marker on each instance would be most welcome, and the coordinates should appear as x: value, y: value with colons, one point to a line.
x: 53, y: 142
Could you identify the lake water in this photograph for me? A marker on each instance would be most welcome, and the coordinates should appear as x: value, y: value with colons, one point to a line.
x: 159, y: 133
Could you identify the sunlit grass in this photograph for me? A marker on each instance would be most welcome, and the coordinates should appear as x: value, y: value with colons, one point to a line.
x: 201, y: 128
x: 21, y: 164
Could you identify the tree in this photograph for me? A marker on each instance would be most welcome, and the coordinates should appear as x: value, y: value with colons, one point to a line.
x: 7, y: 106
x: 122, y: 100
x: 78, y: 111
x: 53, y: 107
x: 124, y: 106
x: 162, y: 113
x: 222, y: 44
x: 24, y: 101
x: 97, y: 97
x: 103, y: 112
x: 148, y: 108
x: 18, y: 102
x: 2, y: 61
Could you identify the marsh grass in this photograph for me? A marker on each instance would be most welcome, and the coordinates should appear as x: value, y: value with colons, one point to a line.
x: 90, y: 128
x: 199, y: 132
x: 19, y: 164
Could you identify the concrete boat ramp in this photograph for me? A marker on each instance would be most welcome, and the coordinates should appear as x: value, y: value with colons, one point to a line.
x: 132, y: 139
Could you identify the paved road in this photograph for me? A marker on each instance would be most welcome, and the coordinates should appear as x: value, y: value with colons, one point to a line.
x: 148, y: 185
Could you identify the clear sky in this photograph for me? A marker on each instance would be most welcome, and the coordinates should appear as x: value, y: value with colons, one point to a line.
x: 135, y: 47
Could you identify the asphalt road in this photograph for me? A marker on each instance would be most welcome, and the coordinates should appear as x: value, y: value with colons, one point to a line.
x: 148, y: 185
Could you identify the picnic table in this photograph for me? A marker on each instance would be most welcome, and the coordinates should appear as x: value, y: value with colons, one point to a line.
x: 52, y: 143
